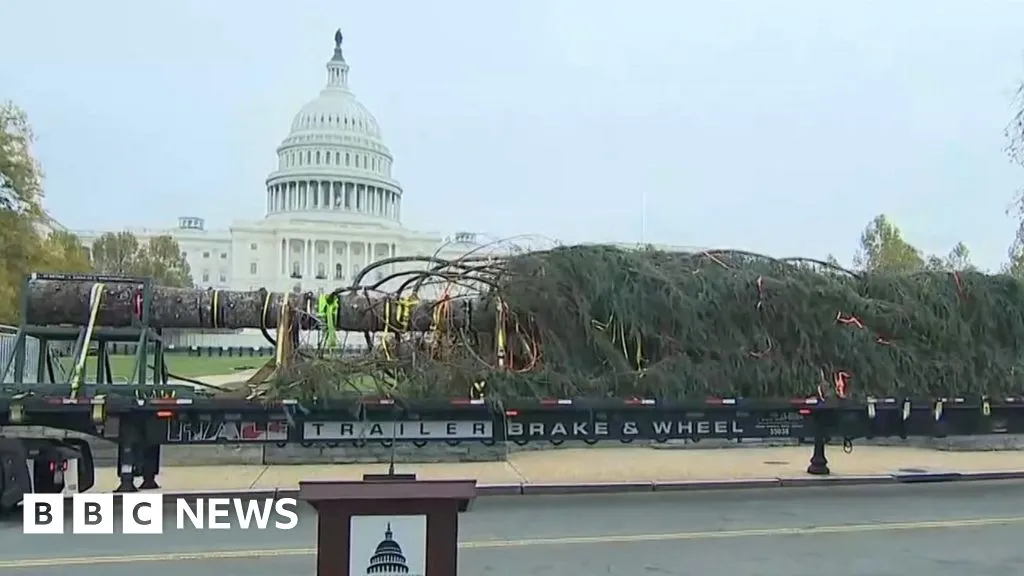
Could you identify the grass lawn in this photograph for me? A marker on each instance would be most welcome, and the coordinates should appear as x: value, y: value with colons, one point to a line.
x: 179, y: 364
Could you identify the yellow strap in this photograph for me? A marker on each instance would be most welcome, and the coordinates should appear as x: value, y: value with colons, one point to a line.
x: 387, y: 329
x: 405, y: 307
x: 95, y: 297
x: 478, y: 390
x: 266, y: 308
x: 215, y: 307
x: 500, y: 331
x: 440, y: 311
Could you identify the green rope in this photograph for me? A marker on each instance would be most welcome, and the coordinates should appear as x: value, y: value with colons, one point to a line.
x: 327, y: 309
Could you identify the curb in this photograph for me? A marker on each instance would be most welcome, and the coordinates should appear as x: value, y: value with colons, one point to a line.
x: 553, y: 489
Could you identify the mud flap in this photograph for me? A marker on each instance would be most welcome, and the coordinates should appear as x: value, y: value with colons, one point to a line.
x: 14, y: 477
x: 86, y: 464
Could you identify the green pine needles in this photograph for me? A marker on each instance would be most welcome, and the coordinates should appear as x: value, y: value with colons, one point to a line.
x: 603, y: 322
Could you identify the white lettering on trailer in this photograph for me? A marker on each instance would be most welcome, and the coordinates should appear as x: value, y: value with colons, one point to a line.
x: 404, y: 430
x: 628, y: 428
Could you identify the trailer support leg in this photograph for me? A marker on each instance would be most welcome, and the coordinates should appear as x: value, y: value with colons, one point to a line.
x: 819, y: 463
x: 150, y: 467
x: 129, y: 456
x: 126, y: 467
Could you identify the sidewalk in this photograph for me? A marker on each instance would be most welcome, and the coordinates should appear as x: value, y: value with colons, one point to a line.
x: 611, y: 465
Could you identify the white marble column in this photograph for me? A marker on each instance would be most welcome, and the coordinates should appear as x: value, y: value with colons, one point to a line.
x: 348, y: 259
x: 330, y: 259
x: 290, y: 251
x: 309, y: 258
x: 288, y: 256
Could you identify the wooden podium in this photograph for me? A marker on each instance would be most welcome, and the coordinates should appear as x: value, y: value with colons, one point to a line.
x: 411, y: 521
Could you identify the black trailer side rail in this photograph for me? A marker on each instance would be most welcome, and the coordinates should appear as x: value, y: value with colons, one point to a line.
x: 140, y: 421
x: 524, y: 421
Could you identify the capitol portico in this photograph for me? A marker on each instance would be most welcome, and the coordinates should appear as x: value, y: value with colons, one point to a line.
x: 332, y: 206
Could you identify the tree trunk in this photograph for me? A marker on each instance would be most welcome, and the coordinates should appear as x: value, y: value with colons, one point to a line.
x: 52, y: 302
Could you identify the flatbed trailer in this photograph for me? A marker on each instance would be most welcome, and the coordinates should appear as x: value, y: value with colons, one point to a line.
x: 140, y: 425
x: 141, y: 417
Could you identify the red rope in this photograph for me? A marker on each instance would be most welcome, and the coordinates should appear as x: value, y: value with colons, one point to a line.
x: 959, y: 281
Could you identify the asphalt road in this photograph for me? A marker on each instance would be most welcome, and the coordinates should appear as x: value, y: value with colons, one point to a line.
x: 938, y: 529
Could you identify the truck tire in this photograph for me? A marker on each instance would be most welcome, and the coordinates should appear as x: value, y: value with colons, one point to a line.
x: 14, y: 479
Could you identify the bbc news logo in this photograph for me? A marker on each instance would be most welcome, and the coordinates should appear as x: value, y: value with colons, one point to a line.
x: 144, y: 513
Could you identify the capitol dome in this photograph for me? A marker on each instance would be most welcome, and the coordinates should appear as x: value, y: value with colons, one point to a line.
x: 333, y: 163
x: 333, y: 207
x: 388, y: 559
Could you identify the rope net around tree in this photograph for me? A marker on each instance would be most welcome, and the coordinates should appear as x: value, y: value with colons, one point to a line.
x: 598, y: 321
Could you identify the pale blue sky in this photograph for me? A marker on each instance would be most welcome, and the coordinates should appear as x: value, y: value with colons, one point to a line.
x: 775, y: 126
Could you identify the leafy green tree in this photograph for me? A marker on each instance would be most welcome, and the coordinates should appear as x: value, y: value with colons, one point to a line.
x: 160, y: 258
x: 1015, y: 265
x: 64, y: 252
x: 21, y: 187
x: 117, y: 253
x: 1015, y: 148
x: 1015, y: 254
x: 883, y: 249
x: 957, y: 260
x: 30, y: 241
x: 1015, y: 130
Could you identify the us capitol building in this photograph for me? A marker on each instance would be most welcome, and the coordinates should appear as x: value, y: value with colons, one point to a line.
x: 332, y: 206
